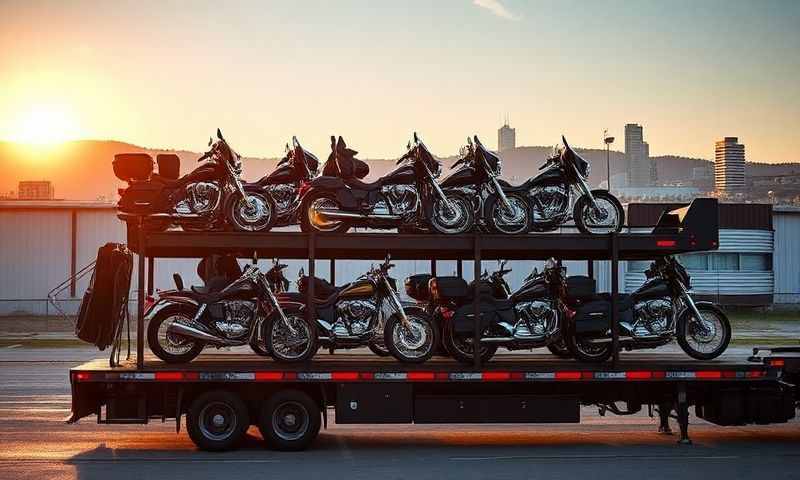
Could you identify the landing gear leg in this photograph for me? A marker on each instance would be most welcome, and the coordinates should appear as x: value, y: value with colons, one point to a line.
x: 683, y: 415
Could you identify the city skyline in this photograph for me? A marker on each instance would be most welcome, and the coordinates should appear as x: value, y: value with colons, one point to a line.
x: 173, y: 75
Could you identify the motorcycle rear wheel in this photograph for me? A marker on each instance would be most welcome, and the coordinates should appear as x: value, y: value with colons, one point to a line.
x: 184, y: 349
x: 414, y: 346
x: 461, y: 348
x: 588, y: 352
x: 311, y: 221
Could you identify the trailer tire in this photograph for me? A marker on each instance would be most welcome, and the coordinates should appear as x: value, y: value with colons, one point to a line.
x: 217, y: 421
x: 289, y: 420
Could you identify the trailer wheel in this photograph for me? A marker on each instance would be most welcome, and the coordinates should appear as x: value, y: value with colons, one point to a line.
x: 217, y: 421
x: 289, y: 420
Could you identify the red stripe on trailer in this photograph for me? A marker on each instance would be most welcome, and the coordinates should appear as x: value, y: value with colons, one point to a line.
x: 442, y: 376
x: 517, y: 376
x: 269, y: 376
x: 730, y: 374
x: 755, y: 374
x: 587, y: 375
x: 367, y: 376
x: 168, y: 376
x: 420, y: 376
x: 638, y: 375
x: 777, y: 362
x: 344, y: 376
x: 191, y: 376
x: 290, y: 376
x: 568, y: 375
x: 666, y: 243
x: 659, y: 375
x: 495, y: 376
x: 708, y: 374
x: 82, y: 376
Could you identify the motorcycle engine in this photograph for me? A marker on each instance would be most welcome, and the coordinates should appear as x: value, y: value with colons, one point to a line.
x: 238, y: 316
x: 401, y: 198
x: 541, y: 316
x: 549, y: 202
x: 201, y: 197
x: 284, y: 197
x: 354, y: 317
x: 652, y: 317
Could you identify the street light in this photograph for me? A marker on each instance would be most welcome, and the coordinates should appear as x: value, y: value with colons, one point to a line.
x: 608, y: 140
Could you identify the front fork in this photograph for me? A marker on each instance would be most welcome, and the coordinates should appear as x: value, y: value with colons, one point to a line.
x: 588, y: 192
x: 439, y: 191
x: 395, y: 301
x: 692, y: 306
x: 240, y: 189
x: 500, y: 193
x: 277, y: 306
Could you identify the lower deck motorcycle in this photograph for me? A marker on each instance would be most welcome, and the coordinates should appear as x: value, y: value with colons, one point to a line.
x: 530, y: 317
x: 658, y: 312
x: 406, y: 198
x: 183, y: 322
x: 211, y: 197
x: 365, y: 312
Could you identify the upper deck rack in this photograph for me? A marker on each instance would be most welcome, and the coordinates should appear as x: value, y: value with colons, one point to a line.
x: 692, y: 228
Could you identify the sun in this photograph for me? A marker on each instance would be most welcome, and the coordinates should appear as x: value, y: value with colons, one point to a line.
x: 45, y: 125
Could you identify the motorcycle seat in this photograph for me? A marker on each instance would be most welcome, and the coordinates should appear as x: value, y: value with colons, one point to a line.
x: 165, y: 181
x: 523, y: 187
x: 357, y: 184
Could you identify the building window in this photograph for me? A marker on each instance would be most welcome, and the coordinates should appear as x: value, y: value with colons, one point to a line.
x: 755, y: 262
x: 726, y: 262
x: 694, y: 263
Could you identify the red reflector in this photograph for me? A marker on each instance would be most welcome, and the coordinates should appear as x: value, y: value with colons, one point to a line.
x: 82, y: 376
x: 268, y: 376
x: 755, y: 374
x: 587, y: 375
x: 191, y: 376
x: 708, y: 374
x: 517, y: 376
x: 495, y: 376
x: 417, y: 376
x: 666, y: 243
x: 442, y: 376
x: 169, y: 376
x: 344, y: 376
x: 659, y: 374
x: 729, y: 374
x: 777, y: 362
x: 367, y: 376
x: 290, y: 376
x: 568, y: 375
x: 639, y: 375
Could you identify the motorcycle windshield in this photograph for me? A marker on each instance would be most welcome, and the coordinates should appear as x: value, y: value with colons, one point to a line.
x: 492, y: 161
x: 571, y: 156
x: 433, y: 165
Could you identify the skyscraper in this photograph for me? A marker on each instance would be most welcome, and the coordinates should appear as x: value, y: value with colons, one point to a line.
x: 506, y: 137
x: 637, y: 157
x: 729, y: 166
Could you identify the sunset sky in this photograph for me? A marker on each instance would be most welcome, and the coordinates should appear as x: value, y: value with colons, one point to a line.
x: 167, y: 73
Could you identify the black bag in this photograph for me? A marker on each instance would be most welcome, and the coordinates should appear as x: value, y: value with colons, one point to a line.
x: 105, y: 303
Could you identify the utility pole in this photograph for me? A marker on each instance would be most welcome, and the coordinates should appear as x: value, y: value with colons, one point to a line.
x: 608, y: 140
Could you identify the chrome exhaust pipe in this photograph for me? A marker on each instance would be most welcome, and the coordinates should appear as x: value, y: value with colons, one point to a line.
x: 196, y: 333
x: 339, y: 214
x: 608, y: 340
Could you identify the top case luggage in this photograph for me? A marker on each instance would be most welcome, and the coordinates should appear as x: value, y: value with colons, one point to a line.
x: 133, y: 167
x: 105, y: 301
x: 417, y: 286
x: 445, y: 289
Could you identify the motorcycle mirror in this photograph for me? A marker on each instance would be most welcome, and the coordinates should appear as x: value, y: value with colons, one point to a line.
x: 469, y: 141
x: 408, y: 145
x: 294, y: 141
x: 255, y: 257
x: 416, y: 139
x: 535, y: 271
x: 219, y: 134
x: 301, y: 273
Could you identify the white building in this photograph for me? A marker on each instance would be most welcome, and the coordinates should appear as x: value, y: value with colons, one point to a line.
x: 637, y: 157
x: 729, y: 166
x: 506, y: 138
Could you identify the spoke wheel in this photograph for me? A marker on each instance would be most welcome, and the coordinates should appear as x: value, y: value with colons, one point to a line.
x: 170, y: 347
x: 412, y: 343
x: 704, y: 338
x: 515, y: 221
x: 253, y: 214
x: 457, y: 218
x: 293, y: 340
x: 607, y: 217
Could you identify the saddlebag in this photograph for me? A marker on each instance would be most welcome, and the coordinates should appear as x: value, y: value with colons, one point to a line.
x: 446, y: 289
x: 141, y: 198
x: 417, y: 286
x: 580, y: 287
x: 492, y: 312
x: 105, y: 302
x: 594, y: 315
x: 133, y: 167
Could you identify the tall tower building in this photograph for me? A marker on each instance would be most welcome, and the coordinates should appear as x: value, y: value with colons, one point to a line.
x: 506, y: 137
x: 637, y: 157
x: 729, y: 166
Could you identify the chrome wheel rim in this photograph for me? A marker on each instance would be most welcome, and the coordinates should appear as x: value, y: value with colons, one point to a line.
x: 451, y: 220
x: 590, y: 349
x: 317, y: 219
x: 514, y: 221
x: 252, y: 214
x: 603, y: 219
x: 290, y: 421
x: 218, y: 421
x: 172, y: 343
x: 415, y: 340
x: 705, y: 337
x: 464, y: 345
x: 287, y: 345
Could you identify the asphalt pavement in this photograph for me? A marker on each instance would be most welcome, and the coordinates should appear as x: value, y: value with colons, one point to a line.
x: 35, y: 443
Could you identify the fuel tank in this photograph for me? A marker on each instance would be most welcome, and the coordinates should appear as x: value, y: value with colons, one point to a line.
x: 401, y: 176
x: 461, y: 177
x: 358, y: 289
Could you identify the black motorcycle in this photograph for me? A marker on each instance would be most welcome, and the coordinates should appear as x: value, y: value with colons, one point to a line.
x: 362, y: 313
x: 528, y: 318
x: 290, y: 180
x: 209, y: 198
x: 500, y: 207
x: 407, y: 197
x: 181, y: 323
x: 656, y: 313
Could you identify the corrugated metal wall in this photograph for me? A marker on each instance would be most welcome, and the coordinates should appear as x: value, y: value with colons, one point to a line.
x: 786, y: 258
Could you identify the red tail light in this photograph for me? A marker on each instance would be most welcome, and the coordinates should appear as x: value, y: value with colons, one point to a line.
x: 149, y: 301
x: 666, y: 243
x: 304, y: 186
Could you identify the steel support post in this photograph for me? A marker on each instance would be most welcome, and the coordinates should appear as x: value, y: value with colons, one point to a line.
x: 312, y: 261
x: 615, y: 297
x: 433, y: 267
x: 476, y: 333
x: 460, y: 268
x: 150, y: 269
x: 590, y: 269
x: 140, y: 297
x: 333, y: 272
x: 683, y: 414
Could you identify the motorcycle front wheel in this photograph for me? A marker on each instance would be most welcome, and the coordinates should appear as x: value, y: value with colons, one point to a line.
x: 170, y: 347
x: 459, y: 217
x: 293, y: 340
x: 415, y: 343
x: 608, y: 217
x: 256, y: 213
x: 706, y: 338
x: 501, y: 220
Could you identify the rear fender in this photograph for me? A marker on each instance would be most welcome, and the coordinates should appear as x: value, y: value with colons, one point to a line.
x: 166, y: 301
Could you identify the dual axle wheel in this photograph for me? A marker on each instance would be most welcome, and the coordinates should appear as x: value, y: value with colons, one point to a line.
x: 288, y: 420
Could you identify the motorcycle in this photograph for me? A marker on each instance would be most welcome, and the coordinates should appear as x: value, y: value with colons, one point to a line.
x: 211, y: 197
x: 361, y: 313
x: 528, y: 318
x: 183, y: 322
x: 290, y: 180
x: 500, y: 208
x: 656, y: 313
x: 407, y: 197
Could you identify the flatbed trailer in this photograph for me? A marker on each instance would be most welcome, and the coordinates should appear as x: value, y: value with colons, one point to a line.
x: 221, y: 395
